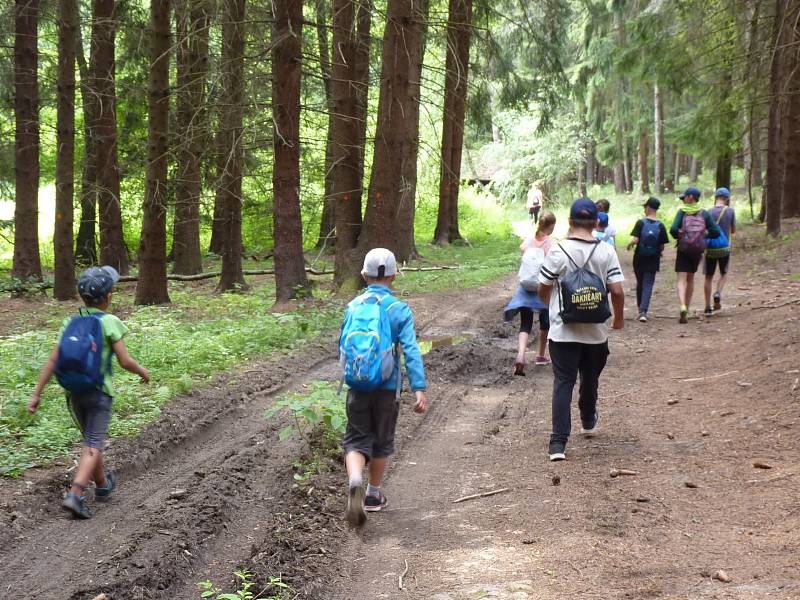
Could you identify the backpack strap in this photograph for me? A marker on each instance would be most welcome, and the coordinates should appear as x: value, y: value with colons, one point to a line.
x: 722, y: 212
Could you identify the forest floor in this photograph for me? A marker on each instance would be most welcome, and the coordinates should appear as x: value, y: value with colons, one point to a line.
x: 691, y: 408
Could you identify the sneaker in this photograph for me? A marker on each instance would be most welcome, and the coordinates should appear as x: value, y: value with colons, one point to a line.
x: 542, y: 360
x: 355, y: 514
x: 708, y: 312
x: 375, y: 503
x: 102, y: 493
x: 76, y: 505
x: 591, y: 429
x: 684, y: 316
x: 717, y: 301
x: 558, y: 451
x: 642, y: 318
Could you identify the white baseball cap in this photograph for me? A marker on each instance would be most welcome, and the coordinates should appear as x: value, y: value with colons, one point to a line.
x: 377, y: 258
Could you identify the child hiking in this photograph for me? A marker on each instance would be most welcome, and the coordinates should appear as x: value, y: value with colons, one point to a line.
x: 378, y: 328
x: 535, y: 202
x: 718, y: 253
x: 692, y: 227
x: 81, y: 361
x: 585, y: 272
x: 648, y: 238
x: 526, y: 300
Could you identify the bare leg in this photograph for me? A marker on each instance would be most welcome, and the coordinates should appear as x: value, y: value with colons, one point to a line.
x: 681, y: 286
x: 721, y: 283
x: 523, y: 346
x: 354, y: 461
x: 377, y: 467
x: 689, y: 288
x: 86, y: 468
x: 542, y: 342
x: 99, y: 474
x: 707, y: 289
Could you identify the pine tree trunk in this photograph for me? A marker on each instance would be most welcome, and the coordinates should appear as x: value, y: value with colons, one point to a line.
x: 152, y: 285
x: 327, y: 223
x: 112, y: 241
x: 218, y: 228
x: 591, y: 163
x: 750, y: 140
x: 86, y: 244
x: 644, y: 176
x: 723, y: 171
x: 192, y: 19
x: 628, y: 169
x: 455, y: 103
x: 406, y: 245
x: 658, y: 175
x: 26, y: 262
x: 619, y: 178
x: 775, y: 159
x: 676, y: 168
x: 790, y: 123
x: 348, y: 125
x: 64, y: 258
x: 231, y: 148
x: 393, y: 138
x: 290, y: 273
x: 693, y: 169
x: 669, y: 169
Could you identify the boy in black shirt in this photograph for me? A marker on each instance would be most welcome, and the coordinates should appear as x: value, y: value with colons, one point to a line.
x: 648, y: 238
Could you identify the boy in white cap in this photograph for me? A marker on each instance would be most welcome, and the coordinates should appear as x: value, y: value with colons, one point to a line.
x: 372, y: 413
x: 82, y: 362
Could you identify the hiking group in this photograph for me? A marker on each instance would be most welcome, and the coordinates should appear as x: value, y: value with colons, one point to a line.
x: 572, y: 284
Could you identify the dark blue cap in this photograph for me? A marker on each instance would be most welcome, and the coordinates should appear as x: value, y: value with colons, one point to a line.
x: 653, y: 203
x: 96, y: 282
x: 692, y: 191
x: 722, y: 192
x: 602, y: 218
x: 583, y: 209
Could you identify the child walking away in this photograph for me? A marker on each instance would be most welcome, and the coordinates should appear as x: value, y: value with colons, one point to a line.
x: 601, y: 230
x: 585, y: 272
x: 692, y: 227
x: 718, y: 252
x: 526, y: 300
x: 648, y: 238
x: 81, y: 362
x: 535, y: 201
x: 378, y: 329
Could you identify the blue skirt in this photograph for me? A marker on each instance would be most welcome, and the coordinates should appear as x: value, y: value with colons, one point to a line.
x: 522, y: 299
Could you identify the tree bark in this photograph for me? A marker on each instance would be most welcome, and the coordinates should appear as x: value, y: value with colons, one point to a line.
x: 676, y: 167
x: 790, y: 122
x: 693, y: 168
x: 723, y: 171
x: 628, y: 168
x: 455, y: 105
x: 64, y: 258
x: 192, y: 18
x: 669, y: 169
x: 327, y: 223
x: 591, y: 163
x: 775, y: 159
x: 26, y: 262
x: 351, y: 26
x: 658, y: 119
x: 751, y: 143
x: 644, y: 176
x: 112, y: 241
x: 231, y: 148
x: 86, y: 244
x: 152, y: 285
x: 217, y: 242
x: 290, y: 274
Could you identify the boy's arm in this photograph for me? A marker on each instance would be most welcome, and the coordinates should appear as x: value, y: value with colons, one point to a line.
x: 128, y: 363
x: 618, y: 302
x: 407, y: 338
x: 44, y: 376
x: 675, y: 230
x: 733, y: 222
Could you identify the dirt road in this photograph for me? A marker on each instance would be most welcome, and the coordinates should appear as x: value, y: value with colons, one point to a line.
x: 210, y: 488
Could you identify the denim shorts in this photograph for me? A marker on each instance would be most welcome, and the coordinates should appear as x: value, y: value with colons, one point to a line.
x: 92, y: 413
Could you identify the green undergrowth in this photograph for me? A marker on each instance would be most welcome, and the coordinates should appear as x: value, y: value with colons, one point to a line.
x: 186, y: 344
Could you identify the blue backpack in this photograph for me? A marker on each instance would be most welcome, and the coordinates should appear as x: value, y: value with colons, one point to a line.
x: 366, y: 349
x: 649, y: 238
x: 79, y: 368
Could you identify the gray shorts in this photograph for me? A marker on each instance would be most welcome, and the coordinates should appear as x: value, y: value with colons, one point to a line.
x: 92, y: 412
x: 371, y: 421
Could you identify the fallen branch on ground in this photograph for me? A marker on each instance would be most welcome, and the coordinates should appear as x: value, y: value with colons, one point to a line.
x: 775, y: 305
x: 771, y: 479
x: 403, y: 574
x: 717, y: 376
x: 481, y: 495
x: 619, y: 395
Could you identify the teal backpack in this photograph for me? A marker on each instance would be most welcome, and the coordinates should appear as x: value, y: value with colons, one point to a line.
x: 367, y: 353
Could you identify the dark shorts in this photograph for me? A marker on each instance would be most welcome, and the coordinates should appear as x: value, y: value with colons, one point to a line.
x: 686, y: 263
x: 371, y: 421
x: 92, y: 413
x: 711, y: 265
x: 526, y: 320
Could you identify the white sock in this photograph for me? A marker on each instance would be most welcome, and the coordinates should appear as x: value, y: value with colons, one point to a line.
x: 373, y: 490
x: 355, y: 481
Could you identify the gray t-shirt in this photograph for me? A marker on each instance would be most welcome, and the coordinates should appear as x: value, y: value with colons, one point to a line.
x: 604, y: 263
x: 727, y: 220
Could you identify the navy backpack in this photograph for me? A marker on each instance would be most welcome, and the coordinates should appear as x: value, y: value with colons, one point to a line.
x: 79, y: 368
x: 649, y: 238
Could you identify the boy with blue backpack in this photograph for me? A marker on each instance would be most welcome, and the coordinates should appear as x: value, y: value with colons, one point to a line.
x: 718, y: 252
x: 648, y: 238
x: 81, y: 361
x: 378, y: 329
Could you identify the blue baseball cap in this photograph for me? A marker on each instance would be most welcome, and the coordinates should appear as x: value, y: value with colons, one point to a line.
x: 96, y: 282
x: 692, y: 191
x: 723, y: 192
x: 602, y: 218
x: 583, y: 209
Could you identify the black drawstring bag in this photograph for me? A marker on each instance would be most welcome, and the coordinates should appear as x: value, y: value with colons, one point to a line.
x: 582, y: 297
